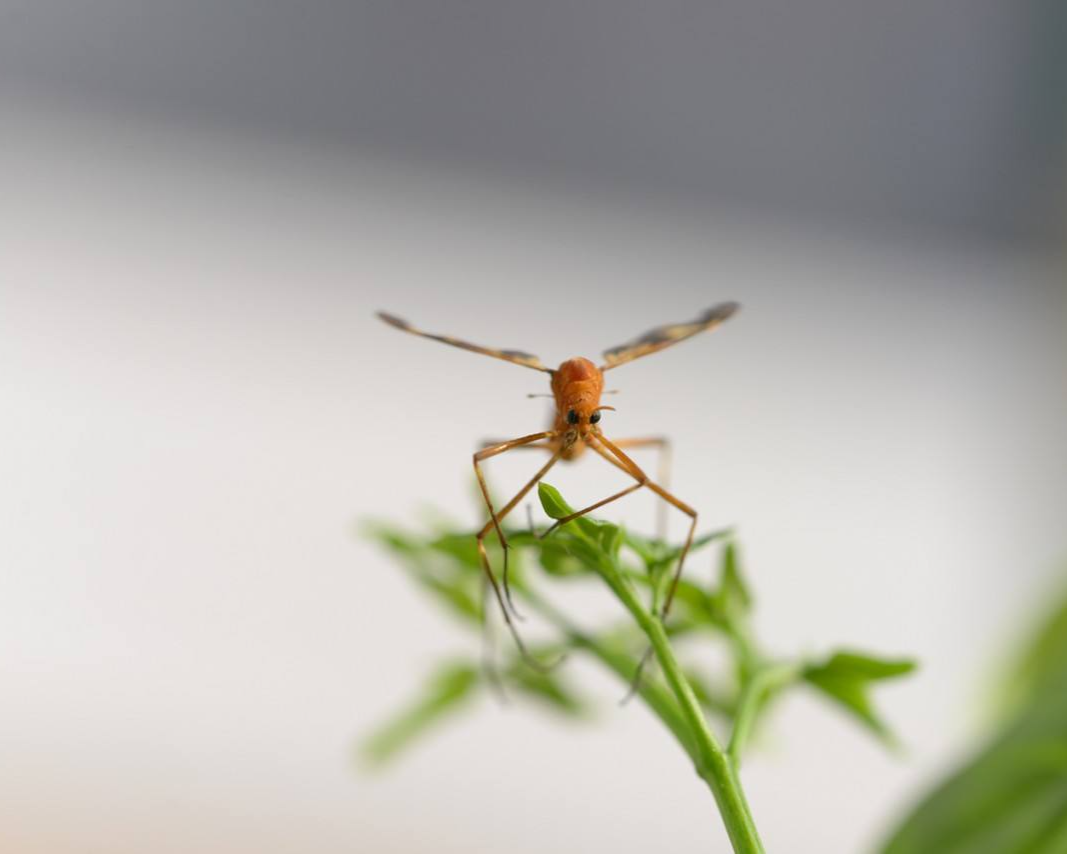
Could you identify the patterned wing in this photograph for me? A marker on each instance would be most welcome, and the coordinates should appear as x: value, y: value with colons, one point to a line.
x: 664, y: 336
x: 515, y: 356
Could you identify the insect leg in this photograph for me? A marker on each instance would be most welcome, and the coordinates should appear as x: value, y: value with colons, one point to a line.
x: 494, y: 524
x: 628, y: 465
x: 663, y: 472
x: 492, y: 443
x: 489, y: 648
x: 619, y: 459
x: 500, y: 515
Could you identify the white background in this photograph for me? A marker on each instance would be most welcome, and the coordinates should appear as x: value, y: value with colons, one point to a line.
x: 198, y: 406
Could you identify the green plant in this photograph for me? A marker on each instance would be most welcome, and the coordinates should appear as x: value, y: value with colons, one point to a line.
x: 638, y: 572
x: 1011, y: 797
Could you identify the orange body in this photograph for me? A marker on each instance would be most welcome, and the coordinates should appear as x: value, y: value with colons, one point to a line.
x: 576, y: 385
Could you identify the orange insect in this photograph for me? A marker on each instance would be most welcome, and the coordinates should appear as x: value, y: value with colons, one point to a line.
x: 577, y: 385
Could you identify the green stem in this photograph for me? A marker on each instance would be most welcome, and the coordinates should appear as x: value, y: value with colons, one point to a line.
x: 655, y: 696
x: 712, y: 763
x: 766, y: 679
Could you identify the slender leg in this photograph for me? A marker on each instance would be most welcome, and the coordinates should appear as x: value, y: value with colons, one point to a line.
x: 489, y: 648
x: 620, y: 460
x: 494, y: 524
x: 663, y: 469
x: 663, y: 472
x: 492, y: 451
x: 492, y: 443
x: 626, y: 464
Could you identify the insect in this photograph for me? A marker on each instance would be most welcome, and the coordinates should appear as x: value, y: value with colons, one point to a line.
x: 577, y: 386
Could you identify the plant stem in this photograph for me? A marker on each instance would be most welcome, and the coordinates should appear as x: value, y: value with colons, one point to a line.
x: 655, y: 696
x: 712, y: 763
x: 766, y: 679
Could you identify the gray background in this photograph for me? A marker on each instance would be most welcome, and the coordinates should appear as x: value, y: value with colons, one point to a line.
x: 918, y: 116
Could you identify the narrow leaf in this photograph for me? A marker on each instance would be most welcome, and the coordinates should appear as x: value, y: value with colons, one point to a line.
x: 557, y: 560
x: 451, y: 583
x: 557, y: 508
x: 611, y: 538
x: 732, y: 599
x: 462, y: 547
x: 447, y: 690
x: 845, y: 677
x: 647, y: 550
x: 549, y: 689
x: 1042, y: 663
x: 552, y: 501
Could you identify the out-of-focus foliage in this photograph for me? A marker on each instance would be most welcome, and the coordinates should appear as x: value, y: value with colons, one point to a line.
x: 445, y: 563
x: 847, y: 676
x: 1012, y: 797
x: 446, y: 690
x: 1042, y: 664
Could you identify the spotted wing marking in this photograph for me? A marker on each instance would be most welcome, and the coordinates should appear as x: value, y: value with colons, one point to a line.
x: 517, y: 357
x: 664, y: 336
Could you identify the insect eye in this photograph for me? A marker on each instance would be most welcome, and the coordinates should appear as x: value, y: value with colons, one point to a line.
x: 572, y: 417
x: 594, y: 418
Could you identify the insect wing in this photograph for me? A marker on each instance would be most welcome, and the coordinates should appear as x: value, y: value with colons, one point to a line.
x: 516, y: 357
x: 664, y: 336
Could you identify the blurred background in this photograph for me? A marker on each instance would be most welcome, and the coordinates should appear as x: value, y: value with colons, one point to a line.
x: 201, y: 207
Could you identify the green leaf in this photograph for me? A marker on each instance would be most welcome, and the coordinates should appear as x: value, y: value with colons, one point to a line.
x: 845, y: 677
x: 711, y: 699
x: 558, y: 560
x: 548, y: 688
x: 451, y: 583
x: 733, y: 585
x: 657, y: 555
x: 522, y: 538
x: 552, y: 501
x: 692, y: 601
x: 695, y: 600
x: 557, y: 508
x: 699, y: 543
x: 732, y: 601
x: 648, y: 550
x: 587, y: 551
x: 610, y: 537
x: 446, y: 691
x: 462, y: 547
x: 459, y: 599
x: 391, y: 537
x: 866, y: 667
x: 1042, y: 662
x: 1012, y: 795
